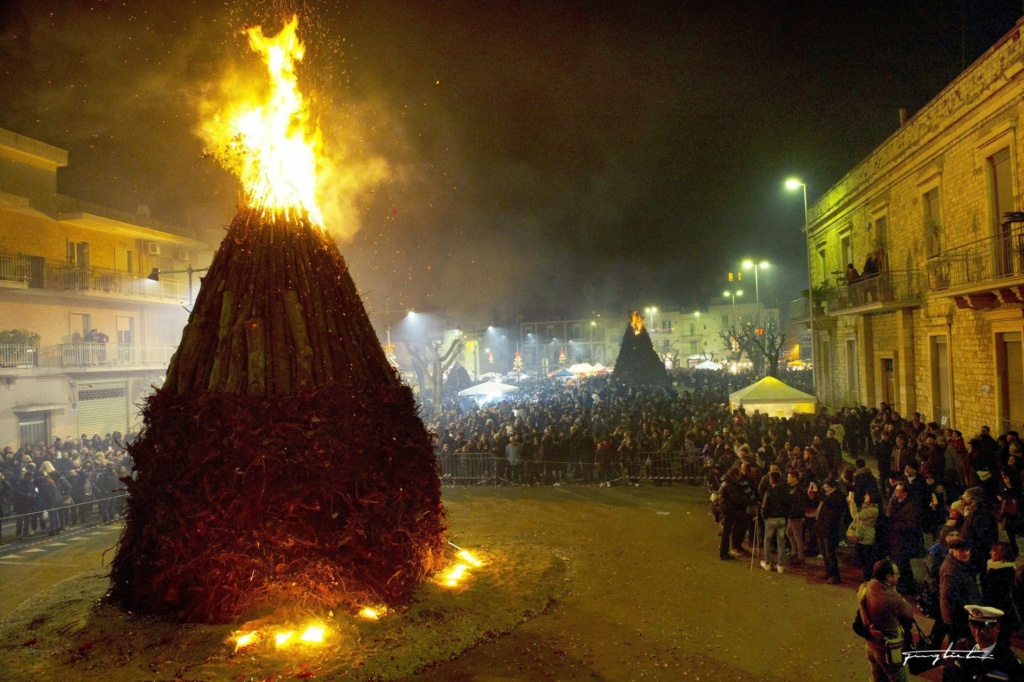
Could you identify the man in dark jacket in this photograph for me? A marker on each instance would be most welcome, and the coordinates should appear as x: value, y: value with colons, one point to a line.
x: 904, y: 535
x: 883, y: 453
x: 999, y: 661
x: 24, y: 504
x: 104, y: 492
x: 796, y: 514
x: 980, y: 529
x: 829, y: 526
x: 734, y: 505
x: 957, y: 588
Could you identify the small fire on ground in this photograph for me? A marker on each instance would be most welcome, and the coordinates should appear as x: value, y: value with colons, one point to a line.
x: 462, y: 568
x: 313, y: 634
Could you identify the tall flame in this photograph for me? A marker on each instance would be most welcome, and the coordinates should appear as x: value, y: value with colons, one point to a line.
x: 637, y: 323
x: 269, y: 144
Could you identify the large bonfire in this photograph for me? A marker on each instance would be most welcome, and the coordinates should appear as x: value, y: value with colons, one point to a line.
x: 283, y: 462
x: 638, y: 362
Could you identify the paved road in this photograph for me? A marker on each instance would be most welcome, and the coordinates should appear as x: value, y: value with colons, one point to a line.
x: 29, y: 568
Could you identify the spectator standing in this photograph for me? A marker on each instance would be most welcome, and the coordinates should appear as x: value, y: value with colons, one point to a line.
x: 957, y: 588
x: 997, y: 589
x: 979, y: 528
x: 795, y: 515
x: 829, y: 525
x: 734, y: 504
x: 904, y: 535
x: 514, y: 457
x: 888, y: 617
x: 775, y: 507
x: 865, y: 519
x: 106, y: 485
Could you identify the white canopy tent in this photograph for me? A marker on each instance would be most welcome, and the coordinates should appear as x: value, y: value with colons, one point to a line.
x: 774, y: 398
x: 708, y: 364
x: 490, y: 389
x: 582, y: 368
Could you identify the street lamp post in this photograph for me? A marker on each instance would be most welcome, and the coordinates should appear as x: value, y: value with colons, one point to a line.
x: 792, y: 184
x: 154, y: 276
x: 592, y: 325
x: 733, y: 295
x: 747, y: 265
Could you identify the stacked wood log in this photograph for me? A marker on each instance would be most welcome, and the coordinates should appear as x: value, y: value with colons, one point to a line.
x: 283, y: 463
x: 638, y: 363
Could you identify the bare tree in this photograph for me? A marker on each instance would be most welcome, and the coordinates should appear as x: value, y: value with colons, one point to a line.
x: 430, y: 365
x: 761, y: 341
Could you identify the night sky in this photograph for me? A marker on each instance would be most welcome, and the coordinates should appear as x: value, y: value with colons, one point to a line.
x: 543, y: 159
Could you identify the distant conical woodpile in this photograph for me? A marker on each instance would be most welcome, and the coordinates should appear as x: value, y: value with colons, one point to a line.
x: 638, y: 363
x: 283, y: 462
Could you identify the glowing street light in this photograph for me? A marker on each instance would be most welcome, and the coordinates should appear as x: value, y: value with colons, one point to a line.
x: 651, y: 312
x: 792, y: 184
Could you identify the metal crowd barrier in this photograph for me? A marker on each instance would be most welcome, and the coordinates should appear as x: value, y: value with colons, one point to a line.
x: 485, y: 468
x: 81, y: 512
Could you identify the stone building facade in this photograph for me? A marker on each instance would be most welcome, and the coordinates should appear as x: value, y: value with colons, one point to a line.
x: 939, y: 330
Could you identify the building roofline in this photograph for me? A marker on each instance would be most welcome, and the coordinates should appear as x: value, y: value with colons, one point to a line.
x: 827, y: 201
x: 34, y: 150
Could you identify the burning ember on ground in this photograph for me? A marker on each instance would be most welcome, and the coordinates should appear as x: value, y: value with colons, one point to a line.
x: 313, y: 635
x: 462, y: 568
x: 371, y: 613
x: 244, y: 639
x: 637, y: 323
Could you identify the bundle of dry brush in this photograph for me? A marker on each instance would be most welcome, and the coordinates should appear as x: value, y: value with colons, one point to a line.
x: 283, y: 463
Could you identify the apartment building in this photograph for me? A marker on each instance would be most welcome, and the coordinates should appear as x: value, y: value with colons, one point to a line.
x: 939, y: 329
x: 85, y: 331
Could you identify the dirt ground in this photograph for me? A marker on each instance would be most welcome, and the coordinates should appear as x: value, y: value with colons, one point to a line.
x: 588, y: 584
x: 649, y: 598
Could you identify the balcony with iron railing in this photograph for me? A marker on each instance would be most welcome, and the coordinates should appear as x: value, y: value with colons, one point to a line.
x: 113, y: 355
x: 884, y: 291
x: 84, y: 355
x: 14, y: 269
x: 92, y: 280
x: 984, y: 264
x: 18, y: 355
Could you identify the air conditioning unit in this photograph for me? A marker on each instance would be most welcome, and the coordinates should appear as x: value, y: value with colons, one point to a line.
x: 152, y: 248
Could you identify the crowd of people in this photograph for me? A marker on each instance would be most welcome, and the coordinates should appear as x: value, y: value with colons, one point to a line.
x: 788, y: 490
x: 865, y: 486
x: 46, y: 488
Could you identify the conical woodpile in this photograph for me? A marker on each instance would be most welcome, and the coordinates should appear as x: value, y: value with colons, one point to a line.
x: 282, y: 463
x: 638, y: 362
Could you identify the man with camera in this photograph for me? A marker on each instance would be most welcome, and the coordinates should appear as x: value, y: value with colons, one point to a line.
x: 889, y: 619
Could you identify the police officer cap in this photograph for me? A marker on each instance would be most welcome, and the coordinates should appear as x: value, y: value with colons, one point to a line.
x: 983, y: 614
